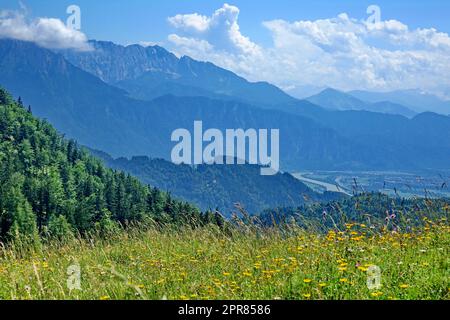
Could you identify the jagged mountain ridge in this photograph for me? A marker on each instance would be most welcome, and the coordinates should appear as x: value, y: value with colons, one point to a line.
x: 142, y: 71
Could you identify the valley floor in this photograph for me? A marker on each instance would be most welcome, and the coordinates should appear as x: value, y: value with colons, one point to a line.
x: 252, y: 264
x: 396, y: 184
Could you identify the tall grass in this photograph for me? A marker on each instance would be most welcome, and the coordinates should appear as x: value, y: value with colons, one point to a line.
x: 243, y: 262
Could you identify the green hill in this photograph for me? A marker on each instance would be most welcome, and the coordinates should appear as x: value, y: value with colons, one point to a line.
x: 218, y: 186
x: 48, y: 185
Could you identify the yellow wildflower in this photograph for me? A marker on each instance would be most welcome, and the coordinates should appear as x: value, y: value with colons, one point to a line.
x: 376, y: 294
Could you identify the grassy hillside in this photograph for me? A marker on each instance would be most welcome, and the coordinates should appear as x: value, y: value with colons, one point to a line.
x: 246, y: 263
x: 375, y: 209
x: 71, y: 206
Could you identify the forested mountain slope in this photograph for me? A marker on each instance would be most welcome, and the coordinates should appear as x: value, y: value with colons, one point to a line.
x: 220, y: 187
x: 49, y: 185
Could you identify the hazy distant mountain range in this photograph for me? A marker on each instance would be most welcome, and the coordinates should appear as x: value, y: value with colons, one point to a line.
x: 340, y: 101
x: 127, y: 101
x: 406, y: 102
x: 303, y: 91
x: 414, y: 99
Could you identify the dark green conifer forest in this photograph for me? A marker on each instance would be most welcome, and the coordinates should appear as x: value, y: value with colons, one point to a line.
x: 49, y: 186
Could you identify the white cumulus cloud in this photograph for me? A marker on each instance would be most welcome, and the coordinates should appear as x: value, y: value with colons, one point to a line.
x: 221, y: 30
x: 340, y: 52
x: 46, y: 32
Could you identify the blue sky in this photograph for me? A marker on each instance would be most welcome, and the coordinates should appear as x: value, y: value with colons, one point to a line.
x: 132, y: 21
x: 293, y: 44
